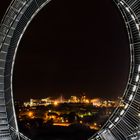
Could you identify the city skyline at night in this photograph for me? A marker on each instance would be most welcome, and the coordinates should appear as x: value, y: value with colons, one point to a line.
x: 90, y: 113
x: 83, y: 99
x: 78, y: 65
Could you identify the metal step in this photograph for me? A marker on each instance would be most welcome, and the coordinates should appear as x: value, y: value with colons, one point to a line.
x: 2, y: 101
x: 1, y: 95
x: 5, y: 137
x: 3, y: 115
x: 3, y: 121
x: 2, y: 108
x: 5, y: 134
x: 4, y: 127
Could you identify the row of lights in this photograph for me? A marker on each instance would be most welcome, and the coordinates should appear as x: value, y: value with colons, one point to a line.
x: 132, y: 16
x: 128, y: 9
x: 136, y: 80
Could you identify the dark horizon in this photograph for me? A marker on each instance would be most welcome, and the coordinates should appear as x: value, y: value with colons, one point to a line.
x: 73, y: 49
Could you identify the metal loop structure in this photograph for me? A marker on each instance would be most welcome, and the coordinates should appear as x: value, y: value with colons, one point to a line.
x: 124, y: 123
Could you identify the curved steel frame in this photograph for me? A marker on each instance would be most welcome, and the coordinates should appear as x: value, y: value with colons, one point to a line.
x: 123, y: 124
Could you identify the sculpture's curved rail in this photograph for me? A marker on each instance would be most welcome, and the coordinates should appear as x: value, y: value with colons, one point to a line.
x: 123, y: 123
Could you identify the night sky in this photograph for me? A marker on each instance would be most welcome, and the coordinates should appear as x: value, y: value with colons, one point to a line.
x: 73, y: 48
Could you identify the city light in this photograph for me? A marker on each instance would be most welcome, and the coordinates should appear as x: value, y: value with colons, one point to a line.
x: 97, y: 102
x: 30, y: 114
x: 56, y: 103
x: 73, y: 110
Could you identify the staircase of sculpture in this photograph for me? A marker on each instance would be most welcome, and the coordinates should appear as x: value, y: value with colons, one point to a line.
x: 4, y: 127
x: 7, y: 118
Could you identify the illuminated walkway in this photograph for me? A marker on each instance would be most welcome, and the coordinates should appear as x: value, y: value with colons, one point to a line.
x: 122, y: 125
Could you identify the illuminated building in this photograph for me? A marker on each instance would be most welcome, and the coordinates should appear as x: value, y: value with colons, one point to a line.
x: 73, y: 99
x: 96, y: 102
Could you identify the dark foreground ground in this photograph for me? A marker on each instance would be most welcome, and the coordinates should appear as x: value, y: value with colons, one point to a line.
x: 73, y: 132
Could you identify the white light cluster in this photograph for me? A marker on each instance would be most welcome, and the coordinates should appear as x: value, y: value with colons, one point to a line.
x: 121, y: 3
x: 139, y: 68
x: 137, y: 78
x: 117, y: 119
x: 126, y: 106
x: 104, y: 131
x: 138, y: 27
x: 131, y: 97
x: 127, y: 9
x: 134, y: 138
x: 97, y: 137
x: 111, y: 125
x: 134, y: 88
x: 132, y: 16
x: 122, y: 112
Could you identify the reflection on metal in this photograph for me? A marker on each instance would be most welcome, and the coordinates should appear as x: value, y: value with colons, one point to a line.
x: 107, y: 135
x: 136, y: 135
x: 122, y: 125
